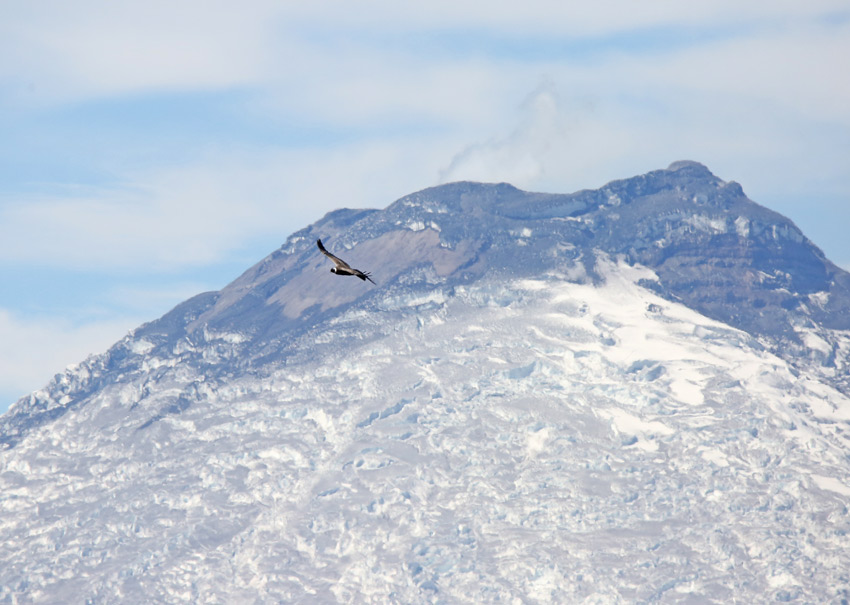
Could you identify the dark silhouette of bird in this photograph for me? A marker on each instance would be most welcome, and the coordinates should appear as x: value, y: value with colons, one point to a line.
x: 341, y: 267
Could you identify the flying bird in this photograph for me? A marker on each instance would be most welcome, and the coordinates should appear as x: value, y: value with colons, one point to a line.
x: 341, y: 267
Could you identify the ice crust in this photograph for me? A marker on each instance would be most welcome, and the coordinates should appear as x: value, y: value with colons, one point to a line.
x: 521, y: 441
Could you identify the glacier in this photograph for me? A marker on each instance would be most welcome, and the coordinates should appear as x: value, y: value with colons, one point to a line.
x: 527, y: 409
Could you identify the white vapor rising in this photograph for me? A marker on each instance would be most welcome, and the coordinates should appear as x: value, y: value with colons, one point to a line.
x: 519, y: 158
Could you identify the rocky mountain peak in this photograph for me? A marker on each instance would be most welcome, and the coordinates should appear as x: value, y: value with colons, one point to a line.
x: 709, y: 246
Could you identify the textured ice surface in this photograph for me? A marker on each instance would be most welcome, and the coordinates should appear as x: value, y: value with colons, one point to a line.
x: 524, y: 441
x: 507, y: 416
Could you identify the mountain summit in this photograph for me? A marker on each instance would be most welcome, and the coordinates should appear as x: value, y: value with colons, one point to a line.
x: 710, y: 246
x: 635, y: 393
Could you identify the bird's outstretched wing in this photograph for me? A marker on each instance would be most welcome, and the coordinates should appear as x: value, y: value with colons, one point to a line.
x: 340, y: 264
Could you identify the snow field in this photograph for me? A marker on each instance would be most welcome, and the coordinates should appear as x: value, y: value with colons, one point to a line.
x: 531, y: 442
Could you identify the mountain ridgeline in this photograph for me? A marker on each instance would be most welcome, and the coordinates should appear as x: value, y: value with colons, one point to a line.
x: 711, y: 247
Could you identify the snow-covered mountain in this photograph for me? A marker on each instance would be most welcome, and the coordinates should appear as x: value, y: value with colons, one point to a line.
x: 633, y: 394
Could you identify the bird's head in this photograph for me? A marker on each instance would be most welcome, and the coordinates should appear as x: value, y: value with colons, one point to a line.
x: 333, y: 270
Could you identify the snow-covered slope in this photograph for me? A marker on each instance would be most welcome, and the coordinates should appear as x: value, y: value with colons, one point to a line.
x: 508, y: 417
x: 535, y: 439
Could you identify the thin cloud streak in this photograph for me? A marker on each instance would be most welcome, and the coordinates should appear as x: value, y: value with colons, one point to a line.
x: 196, y: 215
x: 76, y: 52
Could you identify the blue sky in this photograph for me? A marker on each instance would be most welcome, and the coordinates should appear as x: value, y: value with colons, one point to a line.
x: 151, y: 151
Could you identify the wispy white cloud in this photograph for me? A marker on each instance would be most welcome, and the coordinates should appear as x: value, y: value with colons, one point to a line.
x: 86, y: 50
x: 194, y: 215
x: 175, y: 221
x: 795, y: 69
x: 67, y: 52
x: 551, y: 17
